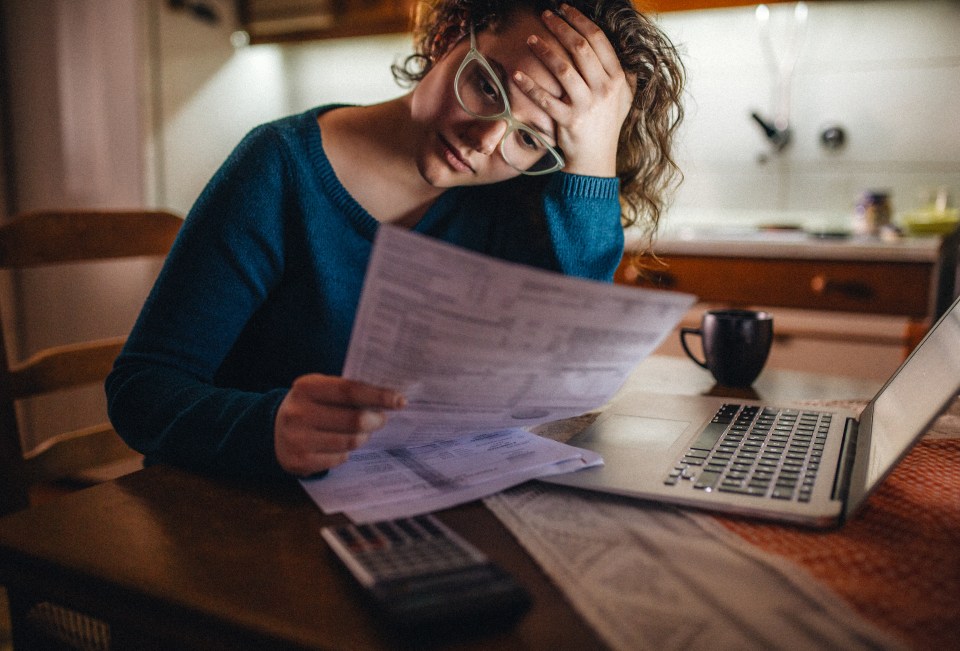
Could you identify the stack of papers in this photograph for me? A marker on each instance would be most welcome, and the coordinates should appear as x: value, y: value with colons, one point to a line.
x: 482, y: 349
x: 383, y: 484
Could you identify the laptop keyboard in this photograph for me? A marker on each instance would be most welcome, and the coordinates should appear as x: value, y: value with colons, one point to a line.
x: 757, y: 451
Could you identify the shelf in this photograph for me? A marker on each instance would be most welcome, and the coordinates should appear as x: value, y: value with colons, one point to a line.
x: 278, y: 21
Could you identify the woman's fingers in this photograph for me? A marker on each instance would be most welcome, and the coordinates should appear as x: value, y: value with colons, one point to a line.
x: 588, y: 58
x: 581, y: 59
x: 553, y: 106
x: 586, y: 42
x: 331, y: 390
x: 323, y: 418
x: 597, y: 94
x: 577, y: 64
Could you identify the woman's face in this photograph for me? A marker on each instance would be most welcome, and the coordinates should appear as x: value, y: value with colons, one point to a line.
x: 456, y: 148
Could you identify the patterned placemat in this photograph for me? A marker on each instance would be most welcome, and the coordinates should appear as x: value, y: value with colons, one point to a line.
x: 651, y: 577
x: 898, y: 562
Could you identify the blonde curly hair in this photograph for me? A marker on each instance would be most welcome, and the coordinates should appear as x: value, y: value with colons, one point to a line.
x: 645, y: 165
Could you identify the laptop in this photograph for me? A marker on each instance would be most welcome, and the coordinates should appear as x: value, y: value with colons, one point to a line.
x: 784, y: 462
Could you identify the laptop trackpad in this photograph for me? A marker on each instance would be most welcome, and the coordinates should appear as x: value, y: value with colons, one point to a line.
x: 634, y: 432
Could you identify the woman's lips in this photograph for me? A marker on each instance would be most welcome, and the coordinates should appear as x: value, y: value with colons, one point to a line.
x: 454, y: 158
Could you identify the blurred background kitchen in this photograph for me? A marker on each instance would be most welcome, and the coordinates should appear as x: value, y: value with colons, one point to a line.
x: 121, y: 103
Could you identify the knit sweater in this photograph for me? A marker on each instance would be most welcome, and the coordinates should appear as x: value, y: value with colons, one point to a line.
x: 264, y: 279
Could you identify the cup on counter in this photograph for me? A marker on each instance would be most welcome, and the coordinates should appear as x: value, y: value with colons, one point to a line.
x: 735, y: 344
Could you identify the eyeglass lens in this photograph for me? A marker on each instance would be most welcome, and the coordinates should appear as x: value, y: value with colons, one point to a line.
x: 481, y: 94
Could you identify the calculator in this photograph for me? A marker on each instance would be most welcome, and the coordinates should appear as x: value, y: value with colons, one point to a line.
x: 421, y: 576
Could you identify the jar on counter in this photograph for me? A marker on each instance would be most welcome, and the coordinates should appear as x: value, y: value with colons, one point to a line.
x: 872, y: 213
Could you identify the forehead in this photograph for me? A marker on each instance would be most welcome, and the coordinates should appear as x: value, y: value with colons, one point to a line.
x: 507, y: 45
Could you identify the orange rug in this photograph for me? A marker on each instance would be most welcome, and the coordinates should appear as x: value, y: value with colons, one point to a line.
x: 898, y: 562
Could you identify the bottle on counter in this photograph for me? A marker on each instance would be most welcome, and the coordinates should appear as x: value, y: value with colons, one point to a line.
x: 872, y: 214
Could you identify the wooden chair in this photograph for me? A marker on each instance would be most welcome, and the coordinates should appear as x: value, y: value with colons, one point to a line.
x: 41, y: 239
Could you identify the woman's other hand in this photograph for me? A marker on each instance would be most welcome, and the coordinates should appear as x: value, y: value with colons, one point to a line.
x: 323, y: 418
x: 597, y: 93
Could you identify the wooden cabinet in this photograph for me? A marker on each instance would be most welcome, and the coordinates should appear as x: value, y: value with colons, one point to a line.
x: 274, y: 21
x: 899, y: 288
x: 912, y: 278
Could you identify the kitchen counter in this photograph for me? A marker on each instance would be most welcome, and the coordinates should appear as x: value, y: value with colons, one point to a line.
x: 756, y: 243
x: 742, y: 264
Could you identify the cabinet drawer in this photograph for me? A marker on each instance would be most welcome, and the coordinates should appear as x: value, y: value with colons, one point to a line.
x: 901, y: 288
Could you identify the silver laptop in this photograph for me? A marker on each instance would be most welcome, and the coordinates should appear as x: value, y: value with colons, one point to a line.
x: 787, y: 462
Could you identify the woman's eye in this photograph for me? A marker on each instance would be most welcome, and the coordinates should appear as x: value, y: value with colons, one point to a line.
x: 487, y: 88
x: 529, y: 142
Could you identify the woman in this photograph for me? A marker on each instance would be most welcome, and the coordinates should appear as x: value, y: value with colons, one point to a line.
x: 526, y: 128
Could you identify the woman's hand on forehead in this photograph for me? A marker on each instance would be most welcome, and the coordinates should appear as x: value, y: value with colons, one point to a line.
x: 597, y: 94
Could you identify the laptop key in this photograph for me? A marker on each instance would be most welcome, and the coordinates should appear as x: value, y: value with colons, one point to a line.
x: 707, y: 480
x: 744, y: 490
x: 709, y: 436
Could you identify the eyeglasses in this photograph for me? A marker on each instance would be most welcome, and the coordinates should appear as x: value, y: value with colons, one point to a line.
x: 481, y: 94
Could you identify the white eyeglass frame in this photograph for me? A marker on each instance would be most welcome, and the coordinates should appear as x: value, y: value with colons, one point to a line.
x: 506, y: 115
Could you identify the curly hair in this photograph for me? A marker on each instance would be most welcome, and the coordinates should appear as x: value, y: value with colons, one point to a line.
x: 645, y: 165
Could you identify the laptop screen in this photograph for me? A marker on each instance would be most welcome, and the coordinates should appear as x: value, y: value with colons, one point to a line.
x: 918, y: 392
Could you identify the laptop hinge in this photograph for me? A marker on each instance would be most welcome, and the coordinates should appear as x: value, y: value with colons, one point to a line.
x: 848, y: 451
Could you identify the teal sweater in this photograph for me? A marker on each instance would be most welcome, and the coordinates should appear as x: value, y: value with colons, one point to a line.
x: 263, y: 283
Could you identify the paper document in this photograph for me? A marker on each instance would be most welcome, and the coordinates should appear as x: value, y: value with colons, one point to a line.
x: 478, y: 344
x: 381, y: 484
x: 482, y: 349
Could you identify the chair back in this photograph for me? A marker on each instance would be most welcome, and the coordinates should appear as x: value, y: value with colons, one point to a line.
x: 47, y: 238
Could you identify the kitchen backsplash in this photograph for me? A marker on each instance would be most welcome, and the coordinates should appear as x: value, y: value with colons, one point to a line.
x: 886, y: 72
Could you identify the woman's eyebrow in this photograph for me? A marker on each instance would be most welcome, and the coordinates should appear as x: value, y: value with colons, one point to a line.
x: 501, y: 73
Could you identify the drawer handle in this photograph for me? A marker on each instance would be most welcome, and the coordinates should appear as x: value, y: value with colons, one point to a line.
x: 646, y: 278
x: 823, y: 286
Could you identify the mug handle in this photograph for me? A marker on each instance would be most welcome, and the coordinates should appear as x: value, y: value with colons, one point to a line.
x: 683, y: 342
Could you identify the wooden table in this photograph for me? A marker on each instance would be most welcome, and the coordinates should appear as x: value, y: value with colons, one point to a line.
x: 170, y: 559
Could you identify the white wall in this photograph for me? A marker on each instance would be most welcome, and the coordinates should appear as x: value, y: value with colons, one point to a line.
x: 211, y: 94
x: 206, y: 96
x: 887, y: 71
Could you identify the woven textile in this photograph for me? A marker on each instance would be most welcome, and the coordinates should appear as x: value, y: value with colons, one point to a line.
x: 898, y: 562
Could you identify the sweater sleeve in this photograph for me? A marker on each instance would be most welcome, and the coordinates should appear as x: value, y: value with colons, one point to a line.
x: 577, y: 230
x: 162, y: 396
x: 583, y: 224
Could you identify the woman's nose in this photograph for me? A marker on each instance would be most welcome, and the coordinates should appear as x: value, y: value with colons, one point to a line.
x: 484, y: 135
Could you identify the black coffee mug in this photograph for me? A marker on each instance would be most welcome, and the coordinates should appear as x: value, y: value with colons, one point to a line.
x: 735, y: 343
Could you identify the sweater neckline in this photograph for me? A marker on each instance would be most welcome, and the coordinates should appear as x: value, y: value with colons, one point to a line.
x: 361, y: 219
